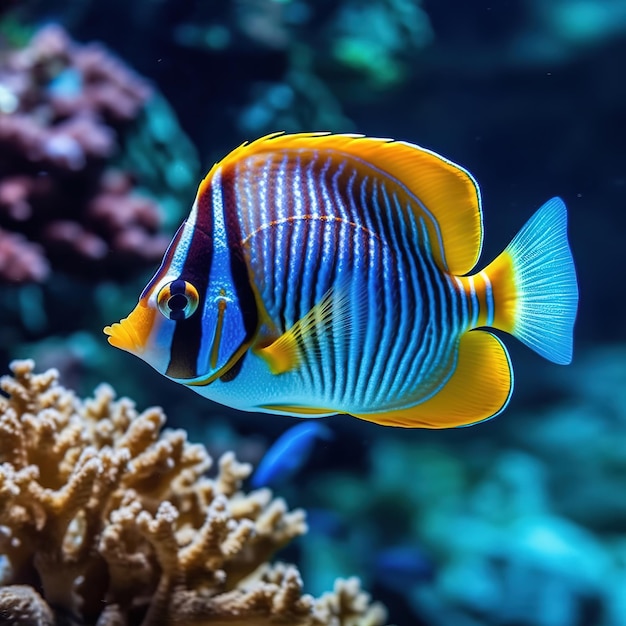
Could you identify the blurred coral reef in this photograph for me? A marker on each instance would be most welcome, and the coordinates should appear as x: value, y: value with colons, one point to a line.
x: 64, y: 109
x: 105, y: 519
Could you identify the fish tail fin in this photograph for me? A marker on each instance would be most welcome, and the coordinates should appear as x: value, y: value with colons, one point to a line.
x: 535, y: 292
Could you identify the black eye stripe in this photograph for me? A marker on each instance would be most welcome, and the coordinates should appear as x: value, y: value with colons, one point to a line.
x: 177, y: 315
x: 177, y: 287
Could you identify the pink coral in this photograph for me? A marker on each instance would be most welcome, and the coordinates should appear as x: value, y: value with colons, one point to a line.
x: 65, y: 108
x: 20, y: 260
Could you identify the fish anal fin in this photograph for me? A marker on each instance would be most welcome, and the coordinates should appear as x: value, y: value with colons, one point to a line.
x: 332, y: 312
x: 479, y: 388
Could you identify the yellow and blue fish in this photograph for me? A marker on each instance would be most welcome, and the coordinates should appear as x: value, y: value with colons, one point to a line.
x: 321, y: 274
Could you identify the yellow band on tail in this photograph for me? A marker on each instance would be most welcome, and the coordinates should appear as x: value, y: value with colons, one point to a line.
x: 501, y: 275
x: 490, y: 296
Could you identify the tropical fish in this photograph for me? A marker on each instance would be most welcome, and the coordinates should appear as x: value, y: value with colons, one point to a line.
x: 320, y: 274
x: 288, y: 454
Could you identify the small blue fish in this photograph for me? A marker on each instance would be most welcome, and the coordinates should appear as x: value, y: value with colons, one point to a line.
x: 288, y: 454
x: 321, y: 274
x: 398, y: 566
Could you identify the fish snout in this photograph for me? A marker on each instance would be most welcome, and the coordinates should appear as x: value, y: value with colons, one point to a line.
x: 132, y: 332
x: 120, y: 337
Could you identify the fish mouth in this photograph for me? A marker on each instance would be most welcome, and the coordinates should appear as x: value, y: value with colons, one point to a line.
x: 131, y: 333
x: 121, y: 335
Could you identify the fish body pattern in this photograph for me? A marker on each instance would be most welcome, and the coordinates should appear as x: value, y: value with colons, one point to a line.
x: 321, y: 274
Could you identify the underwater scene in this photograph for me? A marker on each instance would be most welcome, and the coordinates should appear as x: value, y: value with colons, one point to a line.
x: 304, y: 312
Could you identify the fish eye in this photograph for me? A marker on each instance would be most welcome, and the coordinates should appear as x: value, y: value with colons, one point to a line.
x: 178, y: 300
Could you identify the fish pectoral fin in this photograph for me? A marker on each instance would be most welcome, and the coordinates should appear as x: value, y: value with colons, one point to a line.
x: 283, y: 354
x: 479, y: 388
x: 330, y: 314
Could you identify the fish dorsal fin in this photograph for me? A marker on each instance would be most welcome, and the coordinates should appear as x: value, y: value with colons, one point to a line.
x: 441, y: 193
x: 479, y: 388
x: 332, y: 312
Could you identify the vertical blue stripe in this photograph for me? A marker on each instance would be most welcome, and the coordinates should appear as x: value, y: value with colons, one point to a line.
x: 436, y: 306
x: 331, y: 251
x: 343, y: 281
x: 297, y: 234
x: 378, y: 297
x: 463, y: 296
x: 370, y: 268
x: 404, y: 383
x: 474, y: 301
x: 387, y: 287
x: 429, y: 336
x: 488, y: 299
x: 356, y: 349
x: 402, y: 325
x: 312, y: 260
x: 278, y: 263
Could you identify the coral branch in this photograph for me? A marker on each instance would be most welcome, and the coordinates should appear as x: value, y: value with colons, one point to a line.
x: 117, y: 523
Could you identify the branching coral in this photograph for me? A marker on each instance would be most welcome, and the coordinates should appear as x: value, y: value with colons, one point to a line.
x: 114, y: 522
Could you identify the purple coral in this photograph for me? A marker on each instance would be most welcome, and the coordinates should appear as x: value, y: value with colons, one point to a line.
x: 64, y: 109
x: 20, y: 260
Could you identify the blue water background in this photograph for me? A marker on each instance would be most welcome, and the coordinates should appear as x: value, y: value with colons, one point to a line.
x: 518, y: 521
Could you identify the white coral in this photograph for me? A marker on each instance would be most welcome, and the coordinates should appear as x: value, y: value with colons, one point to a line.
x: 115, y: 518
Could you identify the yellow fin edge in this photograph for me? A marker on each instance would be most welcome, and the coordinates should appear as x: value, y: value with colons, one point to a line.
x: 442, y: 192
x: 479, y: 388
